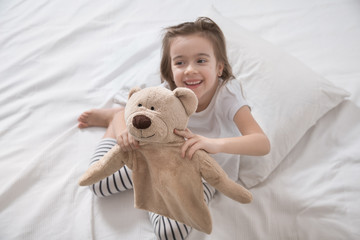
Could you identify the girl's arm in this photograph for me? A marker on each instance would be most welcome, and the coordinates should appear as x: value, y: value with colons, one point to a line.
x: 125, y: 140
x: 252, y: 142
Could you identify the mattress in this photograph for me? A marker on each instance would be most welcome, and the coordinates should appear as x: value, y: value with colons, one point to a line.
x: 60, y: 58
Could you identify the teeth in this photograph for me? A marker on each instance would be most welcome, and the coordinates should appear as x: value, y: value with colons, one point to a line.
x: 193, y: 83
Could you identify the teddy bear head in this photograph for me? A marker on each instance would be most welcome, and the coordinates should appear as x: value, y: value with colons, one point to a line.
x: 152, y: 113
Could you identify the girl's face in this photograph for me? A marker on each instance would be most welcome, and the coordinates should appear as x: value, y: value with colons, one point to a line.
x: 194, y: 66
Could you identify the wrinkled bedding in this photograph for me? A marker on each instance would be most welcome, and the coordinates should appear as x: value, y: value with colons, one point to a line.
x: 59, y: 58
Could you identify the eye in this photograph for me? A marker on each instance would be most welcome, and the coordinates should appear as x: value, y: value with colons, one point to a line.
x: 201, y: 61
x: 152, y: 108
x: 139, y: 105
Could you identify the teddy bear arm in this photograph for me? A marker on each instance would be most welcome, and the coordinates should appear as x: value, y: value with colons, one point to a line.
x: 212, y: 172
x: 111, y: 162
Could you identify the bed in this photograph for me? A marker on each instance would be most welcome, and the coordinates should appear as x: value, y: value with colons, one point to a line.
x: 298, y: 62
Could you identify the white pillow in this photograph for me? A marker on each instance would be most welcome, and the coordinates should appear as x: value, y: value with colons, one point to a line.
x: 286, y: 97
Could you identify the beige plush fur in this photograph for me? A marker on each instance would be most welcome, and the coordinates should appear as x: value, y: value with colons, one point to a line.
x: 164, y: 182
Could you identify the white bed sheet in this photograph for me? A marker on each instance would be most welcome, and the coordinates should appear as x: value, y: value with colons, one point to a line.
x: 59, y: 58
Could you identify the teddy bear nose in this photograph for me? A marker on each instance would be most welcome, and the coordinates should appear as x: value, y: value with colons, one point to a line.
x: 141, y: 122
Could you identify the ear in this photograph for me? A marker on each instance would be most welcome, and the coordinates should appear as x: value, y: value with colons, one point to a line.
x: 133, y: 90
x: 187, y: 98
x: 220, y: 68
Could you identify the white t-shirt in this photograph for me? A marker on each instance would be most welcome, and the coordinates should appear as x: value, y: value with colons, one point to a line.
x: 216, y: 121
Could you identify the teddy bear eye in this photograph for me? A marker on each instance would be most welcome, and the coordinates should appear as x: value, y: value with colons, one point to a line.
x: 139, y: 105
x: 152, y: 108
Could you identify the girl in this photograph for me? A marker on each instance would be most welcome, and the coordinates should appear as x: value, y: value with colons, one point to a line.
x: 193, y: 56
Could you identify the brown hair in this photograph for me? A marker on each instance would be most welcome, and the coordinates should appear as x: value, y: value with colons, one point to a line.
x: 208, y: 29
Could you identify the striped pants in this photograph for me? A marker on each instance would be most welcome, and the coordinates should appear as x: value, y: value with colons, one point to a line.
x: 164, y: 228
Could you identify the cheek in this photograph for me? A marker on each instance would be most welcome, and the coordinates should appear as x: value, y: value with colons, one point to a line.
x: 177, y: 74
x: 212, y: 72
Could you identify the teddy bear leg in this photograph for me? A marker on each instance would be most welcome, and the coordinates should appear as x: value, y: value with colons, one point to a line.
x: 119, y: 181
x: 167, y: 228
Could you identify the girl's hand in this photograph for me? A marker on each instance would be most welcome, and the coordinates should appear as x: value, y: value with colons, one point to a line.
x: 126, y: 141
x: 195, y: 142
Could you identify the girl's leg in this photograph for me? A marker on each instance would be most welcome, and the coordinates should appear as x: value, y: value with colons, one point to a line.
x: 122, y: 179
x: 117, y: 182
x: 166, y: 228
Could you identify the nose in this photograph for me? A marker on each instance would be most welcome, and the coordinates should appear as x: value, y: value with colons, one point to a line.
x: 141, y: 122
x: 190, y: 69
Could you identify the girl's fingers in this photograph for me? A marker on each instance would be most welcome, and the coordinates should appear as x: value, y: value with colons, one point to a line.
x: 134, y: 144
x: 188, y: 144
x: 184, y: 133
x: 121, y: 144
x: 127, y: 142
x: 124, y: 143
x: 193, y: 149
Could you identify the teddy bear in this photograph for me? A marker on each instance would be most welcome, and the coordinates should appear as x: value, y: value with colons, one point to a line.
x: 163, y: 181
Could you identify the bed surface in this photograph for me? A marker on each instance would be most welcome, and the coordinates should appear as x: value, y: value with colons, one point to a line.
x: 59, y: 58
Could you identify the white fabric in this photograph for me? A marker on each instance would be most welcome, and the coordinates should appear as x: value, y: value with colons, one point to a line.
x: 217, y: 121
x: 286, y: 97
x: 59, y: 58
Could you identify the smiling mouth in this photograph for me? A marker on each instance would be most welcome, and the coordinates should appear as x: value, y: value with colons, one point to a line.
x: 148, y: 136
x: 193, y: 83
x: 190, y: 83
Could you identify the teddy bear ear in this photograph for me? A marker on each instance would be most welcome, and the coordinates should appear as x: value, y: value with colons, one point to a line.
x: 133, y: 90
x: 187, y: 98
